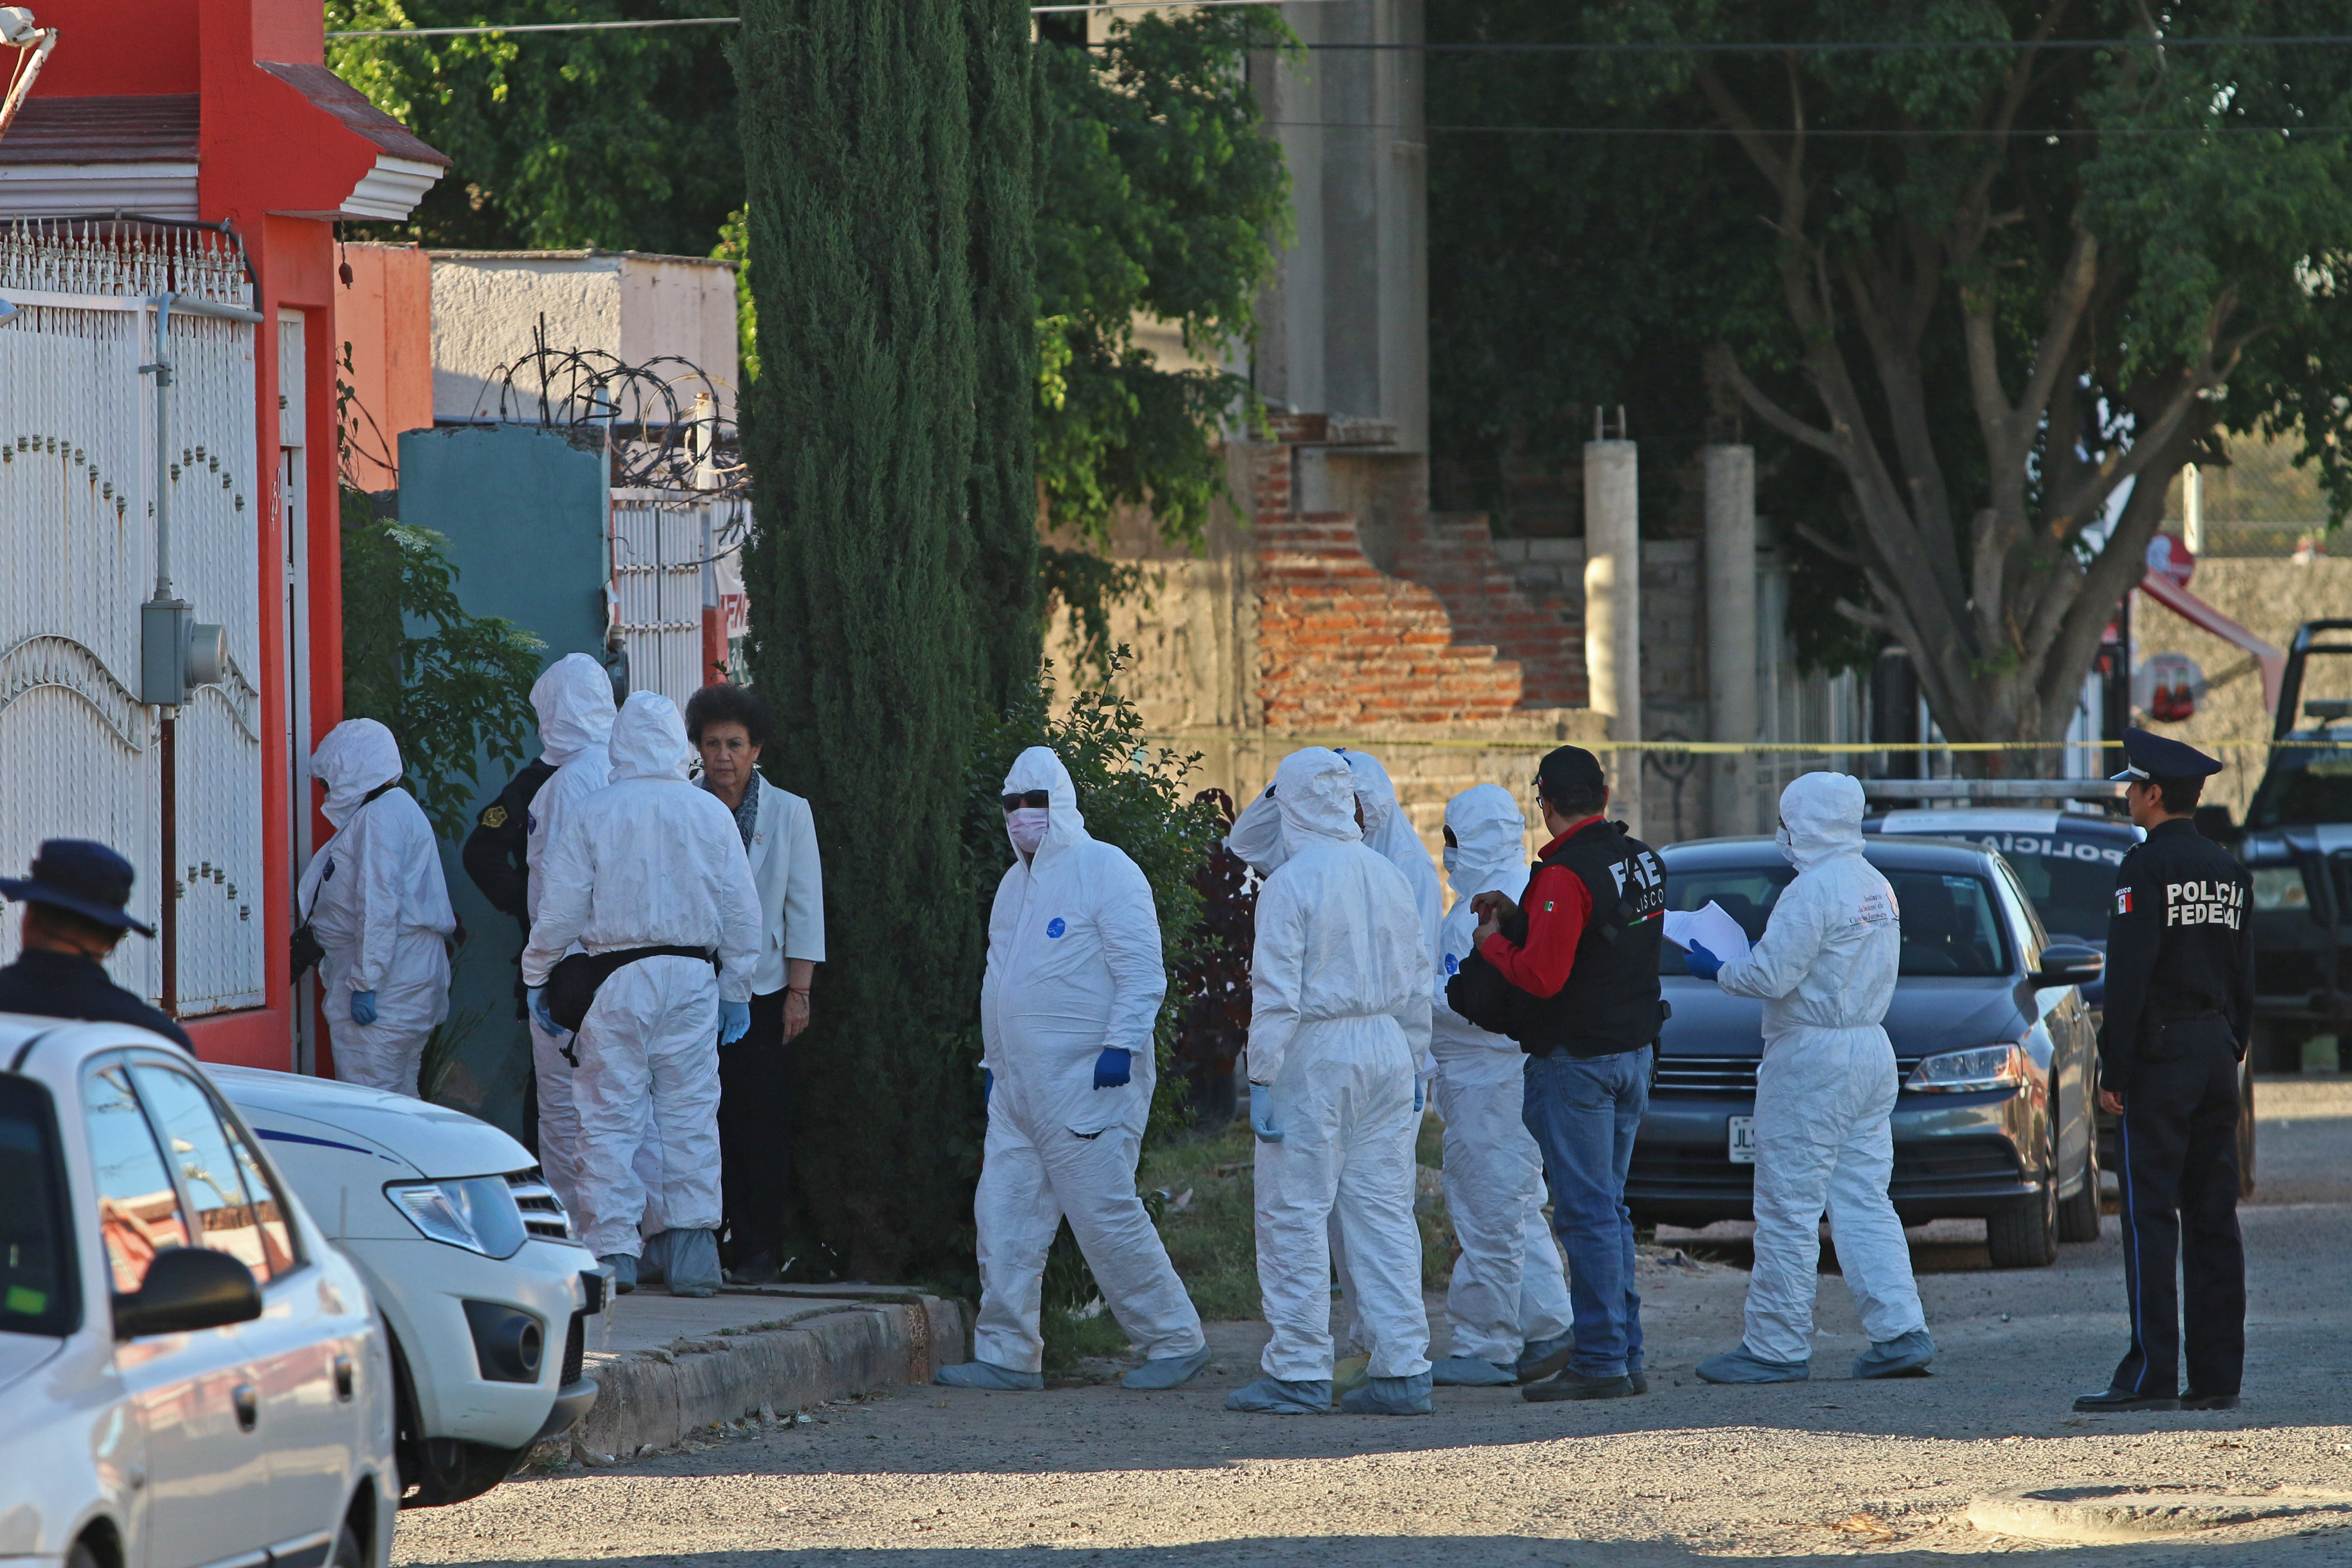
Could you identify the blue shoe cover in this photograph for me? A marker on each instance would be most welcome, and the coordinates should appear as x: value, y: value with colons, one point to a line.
x: 1742, y: 1366
x: 1469, y: 1371
x: 988, y: 1375
x: 1390, y: 1396
x: 1541, y: 1358
x: 690, y: 1261
x: 625, y: 1271
x: 1906, y: 1355
x: 1166, y: 1371
x: 1273, y: 1396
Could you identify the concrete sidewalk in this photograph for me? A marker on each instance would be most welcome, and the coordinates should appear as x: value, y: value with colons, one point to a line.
x: 666, y: 1366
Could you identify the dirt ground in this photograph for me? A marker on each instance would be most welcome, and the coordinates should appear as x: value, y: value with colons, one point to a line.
x: 1797, y: 1474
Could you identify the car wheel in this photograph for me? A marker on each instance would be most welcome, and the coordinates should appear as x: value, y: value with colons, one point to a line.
x: 84, y: 1555
x: 349, y: 1551
x: 2078, y: 1216
x: 450, y: 1469
x: 2246, y: 1128
x: 2026, y: 1236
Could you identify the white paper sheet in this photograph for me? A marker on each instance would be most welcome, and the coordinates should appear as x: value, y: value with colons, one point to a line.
x: 1711, y: 927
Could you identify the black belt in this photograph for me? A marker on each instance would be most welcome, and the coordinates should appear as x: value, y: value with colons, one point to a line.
x: 571, y: 986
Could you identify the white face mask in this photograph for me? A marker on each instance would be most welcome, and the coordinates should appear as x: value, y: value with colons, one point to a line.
x: 1787, y: 848
x: 1453, y: 858
x: 1026, y: 826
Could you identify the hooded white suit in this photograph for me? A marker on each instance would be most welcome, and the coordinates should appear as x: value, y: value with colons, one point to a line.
x: 1257, y: 838
x: 650, y: 861
x: 1824, y: 1092
x: 1074, y: 968
x: 1340, y: 1021
x: 374, y: 897
x: 574, y: 700
x: 1508, y: 1287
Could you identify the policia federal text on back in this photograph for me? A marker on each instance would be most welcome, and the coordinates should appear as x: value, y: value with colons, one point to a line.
x: 2180, y: 995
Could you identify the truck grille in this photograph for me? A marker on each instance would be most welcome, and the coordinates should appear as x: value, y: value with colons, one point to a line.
x: 542, y: 1211
x: 1727, y: 1075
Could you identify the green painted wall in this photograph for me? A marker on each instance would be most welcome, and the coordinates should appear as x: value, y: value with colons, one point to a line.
x: 523, y: 510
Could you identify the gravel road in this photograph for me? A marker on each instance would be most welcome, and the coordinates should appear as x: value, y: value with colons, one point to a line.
x: 1799, y: 1474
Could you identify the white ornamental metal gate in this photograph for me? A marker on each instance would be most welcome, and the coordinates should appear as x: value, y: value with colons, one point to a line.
x: 78, y: 753
x: 671, y: 554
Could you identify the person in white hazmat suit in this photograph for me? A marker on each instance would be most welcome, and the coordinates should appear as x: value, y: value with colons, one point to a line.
x: 1073, y: 987
x: 573, y: 697
x: 374, y: 897
x: 1507, y: 1302
x: 1340, y: 1021
x: 650, y: 862
x: 1824, y: 1095
x: 1257, y: 835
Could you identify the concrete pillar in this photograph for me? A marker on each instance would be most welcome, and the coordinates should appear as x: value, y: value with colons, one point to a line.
x: 1731, y: 632
x: 1613, y: 610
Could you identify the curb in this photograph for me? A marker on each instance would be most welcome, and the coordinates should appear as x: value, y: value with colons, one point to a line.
x: 2092, y: 1515
x: 655, y: 1398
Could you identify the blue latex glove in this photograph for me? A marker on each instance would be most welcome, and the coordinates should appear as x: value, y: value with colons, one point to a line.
x: 1262, y: 1114
x: 536, y: 996
x: 1701, y: 962
x: 363, y: 1007
x: 1112, y: 1068
x: 1417, y: 1093
x: 734, y: 1021
x: 987, y: 1085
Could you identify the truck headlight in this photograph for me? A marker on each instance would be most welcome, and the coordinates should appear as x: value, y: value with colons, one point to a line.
x: 476, y: 1213
x: 1959, y: 1072
x: 2280, y: 888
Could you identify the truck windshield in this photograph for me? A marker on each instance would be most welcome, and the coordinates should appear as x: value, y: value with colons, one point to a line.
x: 37, y: 1295
x: 1949, y: 925
x: 2304, y: 787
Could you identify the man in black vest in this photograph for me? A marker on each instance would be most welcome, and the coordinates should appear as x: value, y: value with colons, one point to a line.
x: 1584, y: 950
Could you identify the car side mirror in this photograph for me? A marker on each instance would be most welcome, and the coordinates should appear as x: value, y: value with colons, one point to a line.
x: 187, y: 1288
x: 2070, y: 963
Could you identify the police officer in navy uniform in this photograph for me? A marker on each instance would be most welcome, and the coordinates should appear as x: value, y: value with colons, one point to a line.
x: 2181, y: 995
x: 74, y: 916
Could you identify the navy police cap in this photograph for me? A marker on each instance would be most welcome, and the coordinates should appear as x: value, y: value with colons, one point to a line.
x: 2159, y: 757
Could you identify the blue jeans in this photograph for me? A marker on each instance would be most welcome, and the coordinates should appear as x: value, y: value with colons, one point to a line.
x: 1584, y: 1113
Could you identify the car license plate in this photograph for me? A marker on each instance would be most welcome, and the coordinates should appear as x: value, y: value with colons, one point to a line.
x: 1743, y: 1140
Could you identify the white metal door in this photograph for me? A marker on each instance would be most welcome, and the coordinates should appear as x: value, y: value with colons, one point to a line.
x: 78, y: 751
x: 657, y: 584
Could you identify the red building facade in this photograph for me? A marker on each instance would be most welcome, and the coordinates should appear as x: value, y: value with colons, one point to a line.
x: 223, y: 113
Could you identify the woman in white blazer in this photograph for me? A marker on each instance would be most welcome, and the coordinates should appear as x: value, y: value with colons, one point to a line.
x: 729, y: 725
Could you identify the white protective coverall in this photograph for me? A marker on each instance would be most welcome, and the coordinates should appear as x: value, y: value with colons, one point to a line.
x: 1508, y: 1288
x: 374, y: 897
x: 575, y: 700
x: 1340, y: 1021
x: 1257, y: 835
x: 650, y: 861
x: 1826, y: 1089
x: 1074, y: 968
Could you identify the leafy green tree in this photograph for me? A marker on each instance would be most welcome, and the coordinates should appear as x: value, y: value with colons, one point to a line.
x: 2000, y: 294
x: 1163, y: 198
x: 452, y: 688
x: 857, y: 125
x: 625, y: 139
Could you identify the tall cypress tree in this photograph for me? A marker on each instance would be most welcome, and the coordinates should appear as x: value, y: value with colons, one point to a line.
x: 1003, y: 486
x: 859, y: 432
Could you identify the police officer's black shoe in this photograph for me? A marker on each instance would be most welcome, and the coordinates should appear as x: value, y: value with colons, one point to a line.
x: 2109, y: 1401
x: 2192, y: 1400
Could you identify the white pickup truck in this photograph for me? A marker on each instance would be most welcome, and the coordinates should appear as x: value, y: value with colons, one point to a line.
x: 468, y: 1255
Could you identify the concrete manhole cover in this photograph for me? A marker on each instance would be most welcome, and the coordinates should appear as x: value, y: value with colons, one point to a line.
x: 2139, y: 1513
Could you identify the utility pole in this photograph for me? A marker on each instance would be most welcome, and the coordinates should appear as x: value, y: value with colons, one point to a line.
x: 1613, y: 604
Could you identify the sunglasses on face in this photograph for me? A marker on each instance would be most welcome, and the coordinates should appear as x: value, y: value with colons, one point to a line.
x: 1015, y: 802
